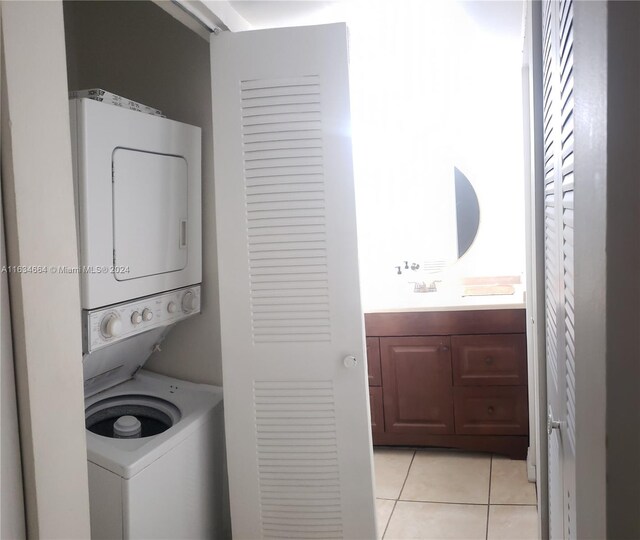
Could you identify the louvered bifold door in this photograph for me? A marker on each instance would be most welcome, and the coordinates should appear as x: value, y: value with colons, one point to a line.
x: 294, y: 374
x: 558, y: 108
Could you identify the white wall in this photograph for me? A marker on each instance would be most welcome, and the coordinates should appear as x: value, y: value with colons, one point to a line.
x: 37, y: 186
x: 137, y: 50
x: 432, y: 89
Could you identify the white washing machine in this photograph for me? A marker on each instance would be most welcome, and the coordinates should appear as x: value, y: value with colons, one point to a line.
x: 155, y: 444
x: 169, y: 482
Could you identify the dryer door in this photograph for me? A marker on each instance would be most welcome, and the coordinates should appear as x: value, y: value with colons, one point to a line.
x: 149, y: 213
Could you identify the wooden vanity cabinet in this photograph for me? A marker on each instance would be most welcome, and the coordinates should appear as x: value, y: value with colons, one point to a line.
x: 455, y: 379
x: 418, y: 394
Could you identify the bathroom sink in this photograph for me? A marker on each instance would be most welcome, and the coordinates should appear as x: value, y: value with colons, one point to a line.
x: 446, y: 296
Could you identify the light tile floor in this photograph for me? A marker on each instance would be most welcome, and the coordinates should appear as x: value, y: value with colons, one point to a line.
x: 430, y: 494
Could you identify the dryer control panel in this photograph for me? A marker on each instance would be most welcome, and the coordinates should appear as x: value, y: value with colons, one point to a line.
x: 104, y: 326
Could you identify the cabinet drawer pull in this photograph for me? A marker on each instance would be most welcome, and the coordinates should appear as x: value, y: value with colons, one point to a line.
x: 490, y: 409
x: 444, y: 348
x: 488, y: 360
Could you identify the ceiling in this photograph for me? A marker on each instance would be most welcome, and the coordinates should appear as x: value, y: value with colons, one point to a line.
x: 498, y: 16
x: 502, y: 17
x: 272, y: 13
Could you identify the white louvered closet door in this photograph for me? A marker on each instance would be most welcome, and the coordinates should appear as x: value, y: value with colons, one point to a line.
x: 296, y: 408
x: 559, y: 268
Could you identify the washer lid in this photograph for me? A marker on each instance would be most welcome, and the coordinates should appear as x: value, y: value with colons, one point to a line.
x: 116, y: 363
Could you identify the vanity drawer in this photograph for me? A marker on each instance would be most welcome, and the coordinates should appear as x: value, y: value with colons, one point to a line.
x: 491, y: 410
x: 488, y: 360
x: 373, y: 361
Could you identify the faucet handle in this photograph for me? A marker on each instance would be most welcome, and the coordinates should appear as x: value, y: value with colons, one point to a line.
x: 433, y: 287
x: 419, y: 286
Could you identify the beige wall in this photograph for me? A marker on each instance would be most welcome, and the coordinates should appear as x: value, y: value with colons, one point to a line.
x: 41, y: 230
x: 137, y: 50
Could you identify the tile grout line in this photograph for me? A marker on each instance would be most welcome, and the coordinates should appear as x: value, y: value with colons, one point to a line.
x: 489, y: 497
x: 407, y: 475
x: 389, y: 520
x: 421, y: 501
x: 515, y: 504
x: 399, y: 494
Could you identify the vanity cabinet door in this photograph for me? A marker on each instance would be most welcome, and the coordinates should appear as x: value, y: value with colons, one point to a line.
x: 417, y: 382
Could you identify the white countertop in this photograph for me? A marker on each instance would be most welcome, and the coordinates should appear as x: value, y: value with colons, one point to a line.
x: 443, y: 301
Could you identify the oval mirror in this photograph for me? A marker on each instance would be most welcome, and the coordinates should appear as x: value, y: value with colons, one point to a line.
x: 467, y: 212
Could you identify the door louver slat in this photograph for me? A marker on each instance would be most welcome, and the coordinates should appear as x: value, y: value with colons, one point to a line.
x: 297, y: 459
x: 285, y: 209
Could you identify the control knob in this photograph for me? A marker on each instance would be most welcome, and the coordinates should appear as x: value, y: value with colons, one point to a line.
x: 136, y: 318
x: 111, y: 326
x: 147, y: 314
x: 189, y: 302
x: 171, y: 307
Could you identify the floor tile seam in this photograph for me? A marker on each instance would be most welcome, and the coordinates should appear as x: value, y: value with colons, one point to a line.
x: 395, y: 503
x: 489, y: 498
x: 386, y: 527
x: 442, y: 502
x: 406, y: 477
x: 514, y: 504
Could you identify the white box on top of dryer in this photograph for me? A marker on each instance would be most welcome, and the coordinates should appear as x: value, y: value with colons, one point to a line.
x: 138, y: 191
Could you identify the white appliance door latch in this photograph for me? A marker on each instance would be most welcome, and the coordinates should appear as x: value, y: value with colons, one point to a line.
x: 183, y: 233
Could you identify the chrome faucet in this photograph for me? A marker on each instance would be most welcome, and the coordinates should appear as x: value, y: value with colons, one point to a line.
x: 422, y: 287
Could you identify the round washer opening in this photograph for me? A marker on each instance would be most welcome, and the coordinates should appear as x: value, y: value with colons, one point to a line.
x: 154, y: 414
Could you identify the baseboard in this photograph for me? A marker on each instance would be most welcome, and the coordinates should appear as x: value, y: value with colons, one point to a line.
x: 531, y: 466
x: 511, y: 446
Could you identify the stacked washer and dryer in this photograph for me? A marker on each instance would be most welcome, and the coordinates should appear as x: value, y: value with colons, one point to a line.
x: 154, y: 443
